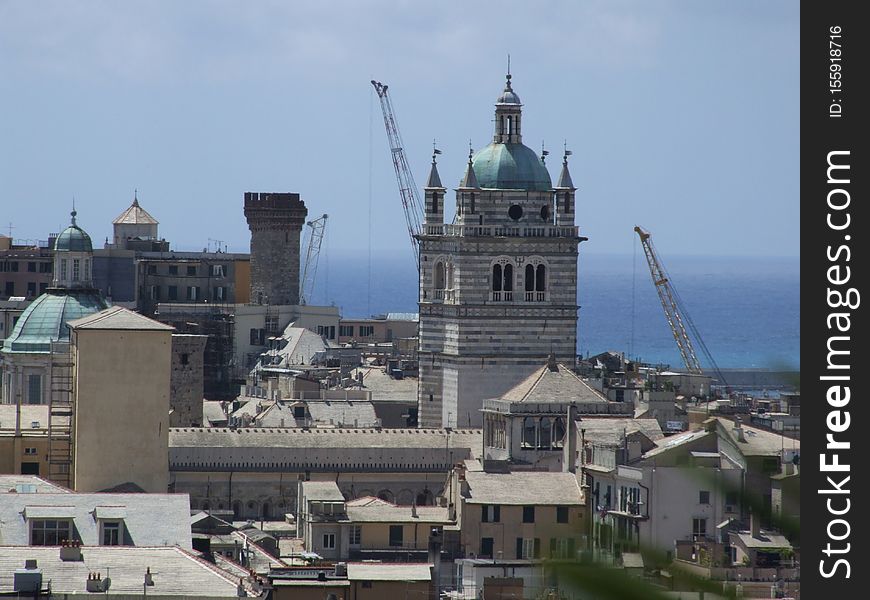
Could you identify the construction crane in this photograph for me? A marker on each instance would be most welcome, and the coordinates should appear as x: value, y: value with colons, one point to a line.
x: 312, y: 255
x: 675, y: 312
x: 411, y: 203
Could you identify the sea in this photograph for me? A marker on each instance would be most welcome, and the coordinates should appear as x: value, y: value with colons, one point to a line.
x: 746, y: 309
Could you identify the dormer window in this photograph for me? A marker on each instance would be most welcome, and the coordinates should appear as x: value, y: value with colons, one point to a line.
x: 111, y: 533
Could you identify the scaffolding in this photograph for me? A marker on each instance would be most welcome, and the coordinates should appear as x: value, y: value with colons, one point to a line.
x: 61, y: 415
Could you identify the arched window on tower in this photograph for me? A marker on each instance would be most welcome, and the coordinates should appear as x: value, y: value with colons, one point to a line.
x: 510, y: 125
x: 434, y: 202
x: 530, y: 431
x: 496, y: 282
x: 508, y: 284
x: 540, y: 282
x: 546, y: 434
x: 439, y: 280
x: 530, y: 282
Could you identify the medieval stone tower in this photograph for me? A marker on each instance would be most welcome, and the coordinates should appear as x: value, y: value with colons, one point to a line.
x: 498, y: 286
x: 275, y: 221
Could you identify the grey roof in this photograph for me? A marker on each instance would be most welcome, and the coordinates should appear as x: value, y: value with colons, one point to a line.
x: 347, y: 413
x: 609, y: 431
x: 385, y: 388
x: 758, y: 442
x: 374, y: 510
x: 469, y: 180
x: 151, y: 519
x: 302, y: 345
x: 135, y: 215
x: 118, y: 317
x: 29, y: 484
x: 765, y: 540
x: 213, y: 412
x: 416, y: 450
x: 523, y: 487
x: 326, y: 491
x: 676, y: 441
x: 508, y: 96
x: 403, y: 316
x: 175, y: 572
x: 565, y: 176
x: 389, y: 571
x: 548, y: 385
x: 434, y: 179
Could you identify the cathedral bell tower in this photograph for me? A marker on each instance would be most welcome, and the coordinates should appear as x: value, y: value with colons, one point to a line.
x: 498, y: 286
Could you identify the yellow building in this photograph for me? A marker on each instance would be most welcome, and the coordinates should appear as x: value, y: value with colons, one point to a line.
x: 121, y: 382
x: 519, y: 514
x: 23, y: 439
x: 354, y: 581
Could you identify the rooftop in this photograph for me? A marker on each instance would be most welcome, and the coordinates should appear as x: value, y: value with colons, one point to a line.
x: 540, y: 488
x: 553, y: 383
x: 29, y: 484
x: 135, y: 215
x: 175, y: 572
x: 149, y: 519
x: 374, y: 510
x: 326, y: 491
x: 118, y: 317
x: 385, y: 388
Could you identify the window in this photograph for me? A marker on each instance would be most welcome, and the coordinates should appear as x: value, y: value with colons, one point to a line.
x: 31, y: 288
x: 486, y: 545
x: 218, y: 294
x: 87, y: 269
x: 173, y: 292
x: 34, y: 389
x: 558, y: 433
x: 76, y: 269
x: 111, y: 533
x: 355, y: 537
x: 540, y: 278
x: 155, y: 292
x: 562, y: 547
x: 10, y: 288
x: 704, y: 497
x: 13, y: 266
x: 366, y: 330
x: 258, y: 337
x: 152, y: 269
x: 173, y: 269
x: 298, y: 412
x: 496, y: 278
x: 561, y: 514
x: 45, y: 267
x: 31, y: 267
x: 50, y: 532
x: 528, y: 514
x: 191, y: 271
x: 192, y: 292
x: 530, y: 278
x: 699, y: 528
x: 528, y: 548
x: 329, y: 541
x: 396, y: 536
x: 43, y: 287
x: 345, y: 330
x: 30, y: 451
x: 545, y: 434
x: 530, y: 430
x: 217, y: 270
x: 491, y: 513
x: 185, y: 358
x: 270, y: 322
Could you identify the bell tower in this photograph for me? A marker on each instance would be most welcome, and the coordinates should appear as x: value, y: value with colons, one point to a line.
x: 498, y: 286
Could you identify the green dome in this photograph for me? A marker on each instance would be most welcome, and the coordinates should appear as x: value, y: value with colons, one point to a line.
x: 73, y: 238
x: 511, y: 167
x: 44, y: 321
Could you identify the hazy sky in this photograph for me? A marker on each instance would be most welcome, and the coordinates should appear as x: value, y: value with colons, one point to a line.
x: 682, y: 115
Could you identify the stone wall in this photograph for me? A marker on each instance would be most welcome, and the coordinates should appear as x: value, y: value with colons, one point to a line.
x: 187, y: 380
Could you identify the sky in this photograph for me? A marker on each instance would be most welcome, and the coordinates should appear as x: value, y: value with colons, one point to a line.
x: 682, y: 116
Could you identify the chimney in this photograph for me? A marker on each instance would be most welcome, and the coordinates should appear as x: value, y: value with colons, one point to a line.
x: 738, y: 430
x: 551, y: 362
x: 754, y: 524
x: 414, y: 509
x: 435, y: 543
x: 149, y: 578
x: 71, y: 551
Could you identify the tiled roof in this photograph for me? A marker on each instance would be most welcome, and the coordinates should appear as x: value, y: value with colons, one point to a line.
x: 375, y: 510
x: 523, y: 487
x: 118, y: 317
x: 135, y: 215
x: 548, y: 385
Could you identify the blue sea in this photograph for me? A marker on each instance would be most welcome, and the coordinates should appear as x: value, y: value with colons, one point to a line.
x: 746, y: 309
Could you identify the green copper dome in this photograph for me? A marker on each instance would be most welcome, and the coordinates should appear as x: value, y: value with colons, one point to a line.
x: 511, y: 167
x: 45, y: 320
x: 73, y: 239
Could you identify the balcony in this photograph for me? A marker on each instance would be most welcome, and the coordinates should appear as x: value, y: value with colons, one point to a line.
x: 546, y: 231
